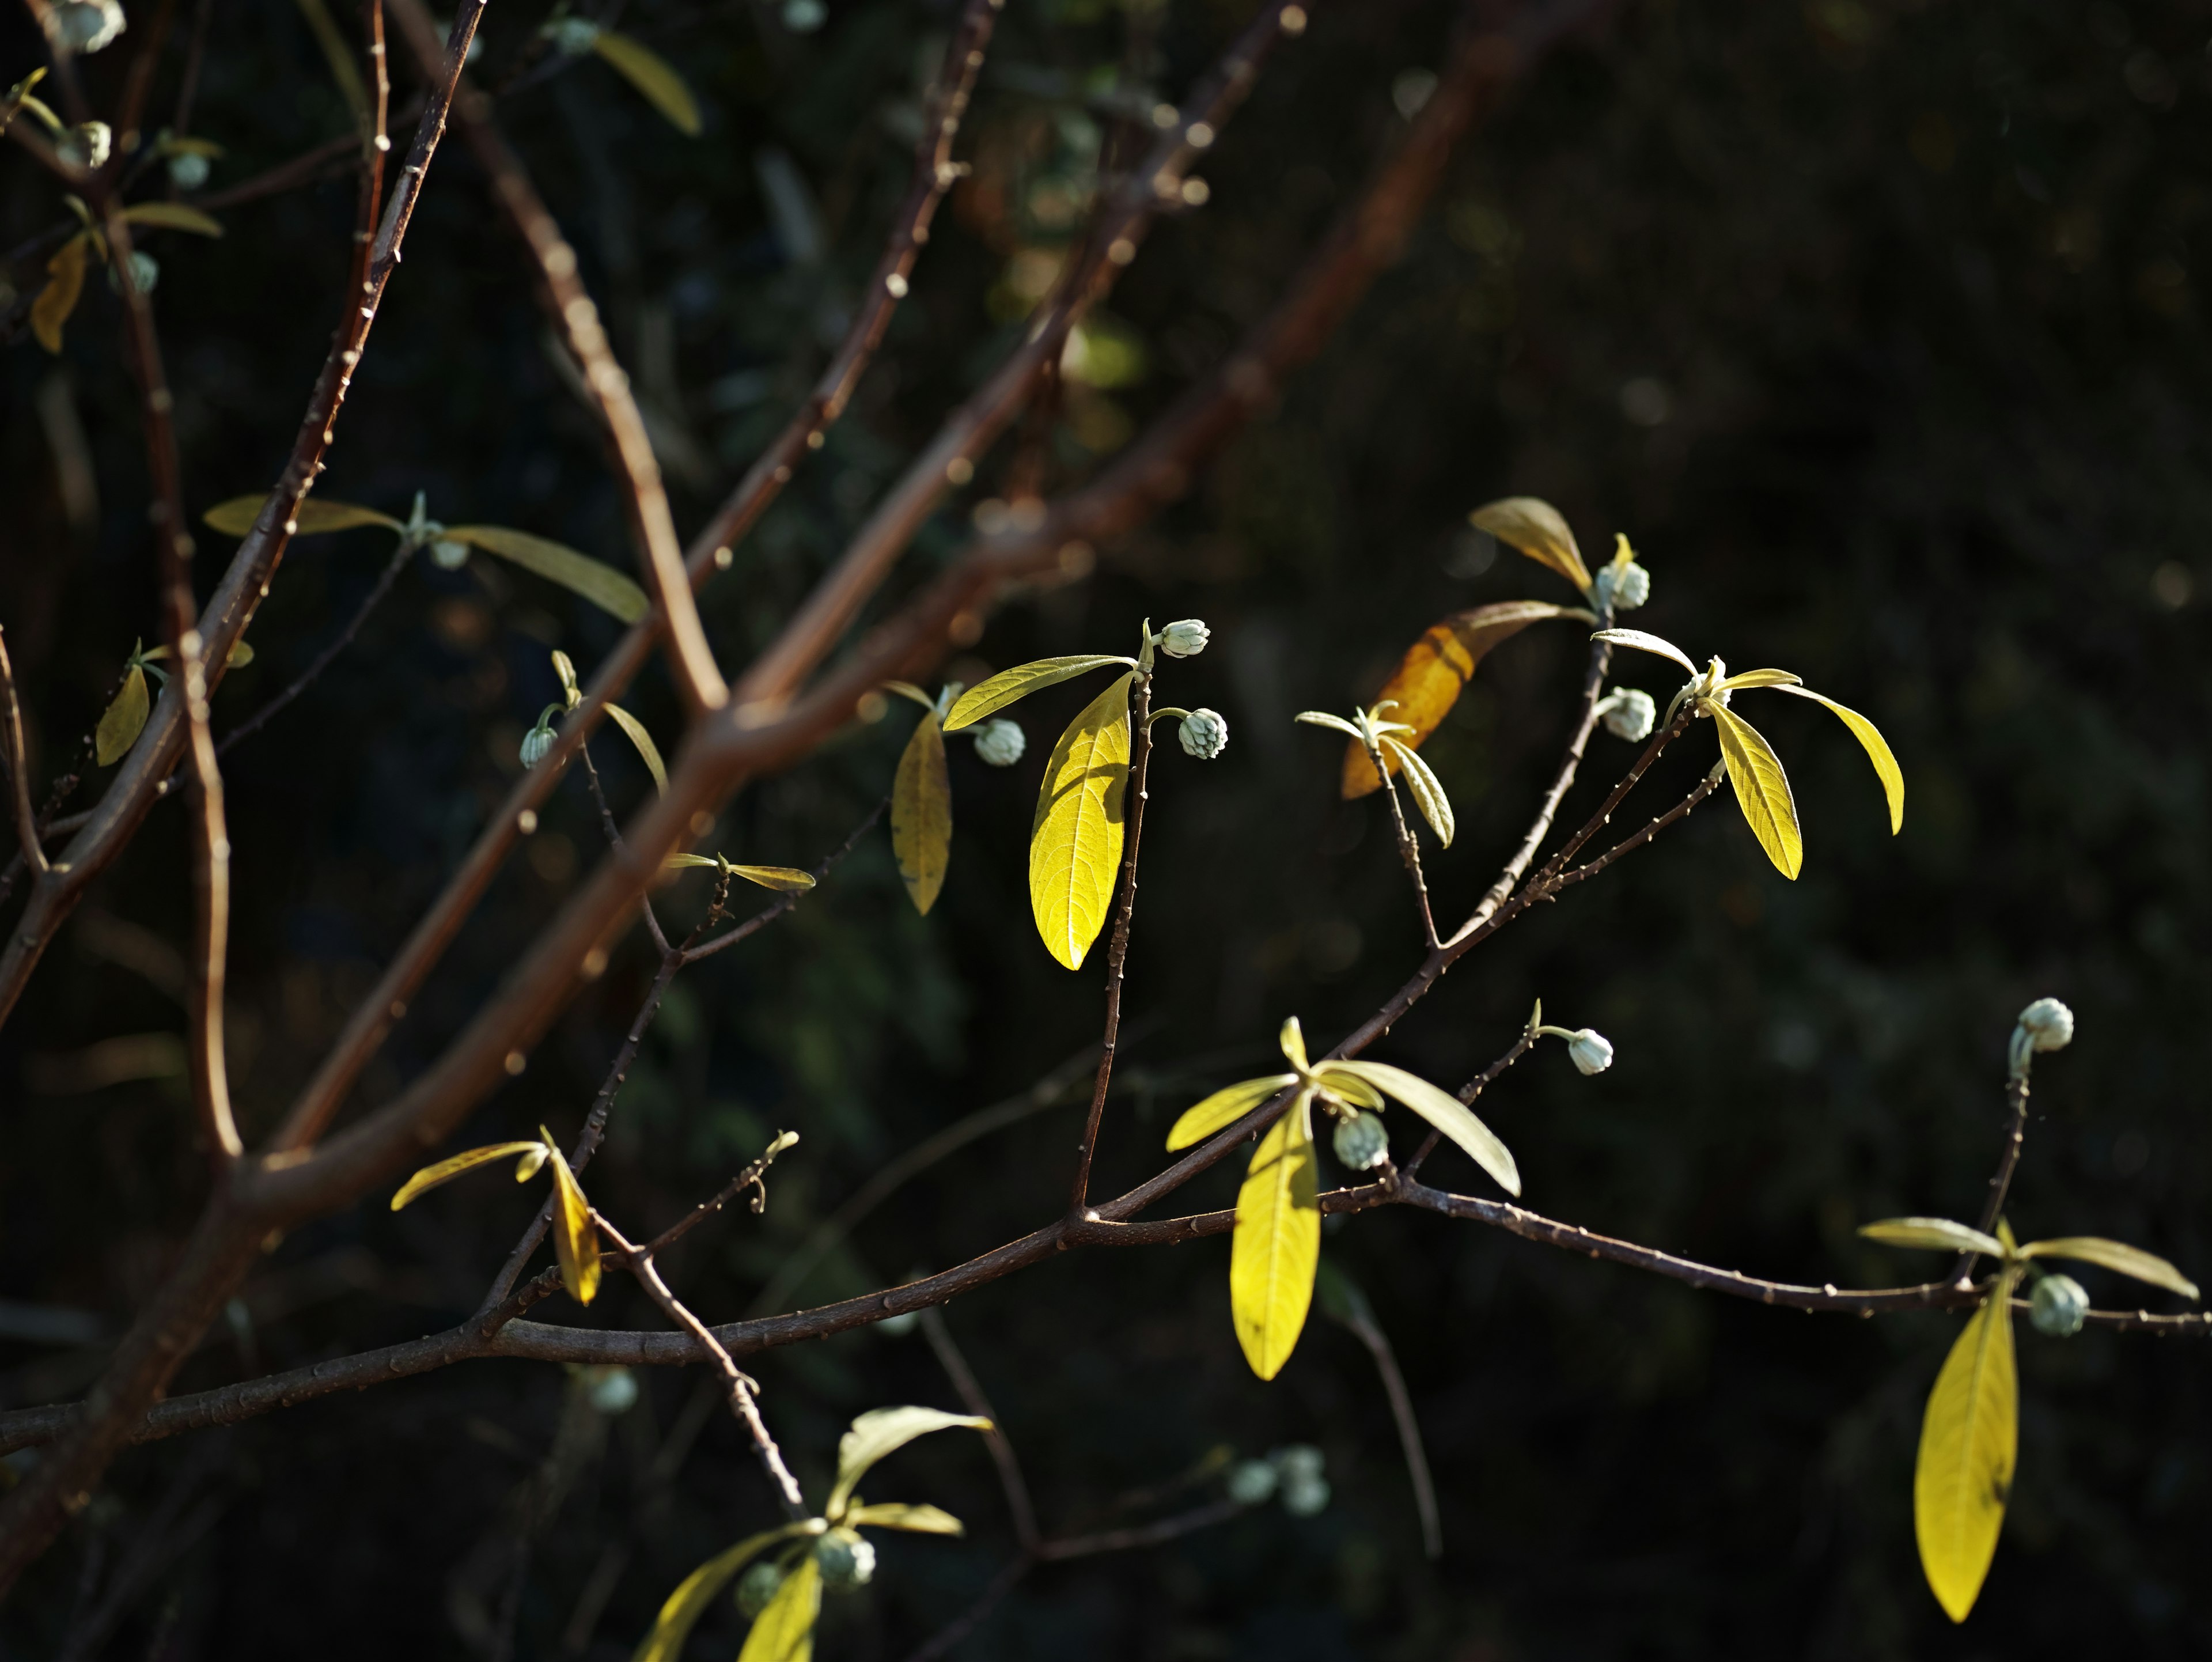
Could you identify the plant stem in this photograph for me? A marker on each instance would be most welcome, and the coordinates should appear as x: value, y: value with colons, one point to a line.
x: 1409, y: 850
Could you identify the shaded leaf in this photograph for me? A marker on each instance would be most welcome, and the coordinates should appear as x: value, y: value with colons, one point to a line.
x: 648, y: 752
x: 173, y: 217
x: 1427, y: 789
x: 685, y: 1606
x: 575, y: 1237
x: 532, y: 1156
x: 1936, y: 1234
x: 1003, y: 689
x: 1075, y: 846
x: 1969, y: 1445
x: 599, y: 583
x: 1537, y: 529
x: 2114, y: 1255
x: 907, y: 690
x: 916, y: 1520
x: 1757, y: 678
x: 123, y: 719
x: 1428, y: 678
x: 882, y: 1431
x: 1762, y: 790
x: 921, y: 814
x: 1877, y: 750
x: 235, y: 518
x: 784, y: 1632
x: 1276, y: 1245
x: 1442, y: 1110
x: 64, y: 284
x: 1224, y: 1108
x: 1636, y: 640
x: 785, y: 880
x: 653, y: 76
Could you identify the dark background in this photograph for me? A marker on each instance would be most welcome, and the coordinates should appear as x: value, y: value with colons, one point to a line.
x: 1873, y: 324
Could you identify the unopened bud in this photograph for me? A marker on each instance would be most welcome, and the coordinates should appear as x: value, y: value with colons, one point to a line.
x: 1205, y: 733
x: 573, y: 36
x: 847, y: 1561
x: 2045, y: 1024
x: 1252, y: 1482
x: 1621, y: 584
x: 85, y: 25
x: 1361, y: 1143
x: 86, y: 146
x: 1589, y: 1051
x: 451, y: 555
x: 612, y: 1391
x: 188, y: 170
x: 145, y: 272
x: 1001, y: 743
x: 1301, y: 1463
x: 1630, y: 715
x: 1185, y: 639
x: 2058, y: 1306
x: 535, y: 744
x: 757, y: 1587
x: 1306, y: 1499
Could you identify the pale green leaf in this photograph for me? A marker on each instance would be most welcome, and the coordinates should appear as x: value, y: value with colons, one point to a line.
x: 907, y: 690
x: 1969, y: 1445
x: 1428, y: 791
x: 1276, y: 1243
x: 531, y: 1154
x: 2115, y: 1255
x: 1762, y: 790
x: 235, y: 517
x: 173, y: 217
x: 1008, y: 685
x: 1877, y: 750
x: 1075, y: 845
x: 1936, y: 1234
x: 882, y: 1431
x: 685, y: 1606
x: 1293, y: 1039
x: 123, y: 719
x: 648, y: 752
x: 1224, y: 1108
x: 1442, y: 1110
x: 921, y: 814
x: 599, y: 583
x: 1757, y: 678
x: 652, y: 75
x: 784, y: 1632
x: 693, y: 860
x: 786, y: 880
x: 64, y: 284
x: 1352, y: 1089
x: 1321, y: 718
x: 1538, y: 530
x: 1637, y: 641
x: 575, y: 1237
x: 916, y: 1520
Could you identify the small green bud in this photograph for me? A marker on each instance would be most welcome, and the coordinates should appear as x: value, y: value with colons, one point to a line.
x: 613, y: 1391
x: 1630, y: 713
x: 535, y: 744
x: 1001, y: 743
x: 1361, y: 1143
x: 2058, y: 1306
x: 1205, y: 733
x: 574, y: 37
x: 1589, y: 1051
x: 847, y: 1560
x: 1185, y: 639
x: 451, y: 555
x: 1252, y: 1482
x: 188, y: 170
x: 756, y: 1587
x: 85, y: 25
x: 88, y: 145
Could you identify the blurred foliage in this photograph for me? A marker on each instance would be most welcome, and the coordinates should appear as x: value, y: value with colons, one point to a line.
x: 1874, y: 322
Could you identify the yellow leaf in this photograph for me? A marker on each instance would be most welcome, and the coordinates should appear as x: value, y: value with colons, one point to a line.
x: 1762, y: 790
x: 173, y: 217
x: 1535, y: 527
x: 64, y: 283
x: 785, y: 1631
x: 1877, y: 750
x: 921, y: 814
x: 533, y: 1155
x: 1428, y: 791
x: 1276, y: 1247
x: 235, y: 517
x: 1224, y: 1109
x: 681, y: 1613
x: 787, y: 880
x: 1442, y: 1110
x: 882, y: 1432
x: 1075, y: 846
x: 2115, y: 1255
x: 916, y: 1520
x: 1934, y: 1234
x: 1428, y: 678
x: 652, y: 75
x: 599, y: 583
x: 1019, y: 682
x: 1969, y: 1444
x: 575, y: 1237
x: 122, y: 722
x: 648, y: 752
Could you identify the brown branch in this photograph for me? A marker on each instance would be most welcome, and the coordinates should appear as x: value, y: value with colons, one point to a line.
x: 1473, y: 1088
x: 1369, y: 1332
x: 1409, y: 851
x: 784, y: 902
x: 751, y: 1178
x: 323, y: 660
x: 2016, y: 1089
x: 1019, y: 1507
x: 15, y: 757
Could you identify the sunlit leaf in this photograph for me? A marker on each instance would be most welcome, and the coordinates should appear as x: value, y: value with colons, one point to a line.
x: 652, y: 75
x: 1762, y: 790
x: 907, y: 690
x: 601, y: 584
x: 1637, y: 641
x: 64, y: 283
x: 1075, y: 845
x: 921, y: 814
x: 1757, y: 678
x: 1428, y: 791
x: 1936, y: 1234
x: 784, y: 1632
x: 575, y: 1237
x: 1224, y: 1108
x: 994, y: 695
x: 240, y: 656
x: 1969, y: 1444
x: 235, y: 517
x: 123, y: 719
x: 882, y: 1431
x: 1352, y: 1089
x: 685, y: 1606
x: 173, y: 217
x: 648, y: 752
x: 2115, y: 1255
x: 916, y: 1520
x: 532, y: 1156
x: 1293, y: 1040
x: 1877, y: 750
x: 1442, y: 1110
x: 785, y: 880
x: 1276, y: 1243
x: 1536, y: 528
x: 1428, y: 678
x: 1321, y: 718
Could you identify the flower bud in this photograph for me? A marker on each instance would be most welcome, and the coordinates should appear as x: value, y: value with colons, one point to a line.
x: 612, y: 1391
x: 1301, y: 1463
x: 2058, y: 1306
x: 145, y: 272
x: 86, y: 146
x: 1252, y: 1482
x: 449, y: 554
x: 188, y: 170
x: 1185, y: 639
x: 2045, y: 1024
x: 1589, y: 1051
x: 535, y: 744
x: 1204, y: 735
x: 85, y: 25
x: 573, y: 36
x: 1630, y: 715
x: 847, y: 1560
x: 1361, y: 1143
x: 1001, y: 743
x: 1306, y: 1499
x: 757, y: 1587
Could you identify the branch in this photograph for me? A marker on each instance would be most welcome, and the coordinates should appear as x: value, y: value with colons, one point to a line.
x: 324, y: 659
x: 1019, y: 1507
x: 1409, y: 851
x: 16, y: 760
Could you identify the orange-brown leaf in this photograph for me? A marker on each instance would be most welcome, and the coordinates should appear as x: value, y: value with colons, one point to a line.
x: 1429, y: 678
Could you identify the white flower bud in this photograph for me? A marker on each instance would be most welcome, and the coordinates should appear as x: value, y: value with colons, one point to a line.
x: 1589, y: 1051
x: 805, y: 16
x: 1630, y: 715
x: 1361, y: 1143
x: 145, y: 272
x: 85, y: 25
x: 1305, y: 1499
x: 87, y: 146
x: 759, y: 1584
x: 612, y: 1391
x: 847, y: 1561
x: 1185, y: 639
x: 449, y: 555
x: 2058, y: 1306
x: 1001, y: 743
x: 1301, y: 1463
x: 1204, y: 735
x: 573, y: 36
x: 188, y: 170
x: 1252, y: 1482
x: 2045, y: 1024
x: 535, y: 744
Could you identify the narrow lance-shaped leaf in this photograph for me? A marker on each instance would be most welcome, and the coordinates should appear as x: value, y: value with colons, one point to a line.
x: 1877, y: 750
x: 1969, y: 1445
x: 883, y: 1431
x: 1762, y: 790
x: 1428, y: 791
x: 124, y: 719
x: 921, y: 814
x: 2114, y: 1255
x: 1637, y: 641
x: 173, y: 217
x: 532, y: 1156
x: 990, y: 696
x: 1429, y: 678
x: 784, y: 1632
x: 1442, y: 1110
x: 1538, y: 530
x: 601, y: 584
x: 788, y: 879
x: 1075, y: 846
x: 1276, y: 1243
x: 1224, y: 1109
x: 652, y: 75
x: 575, y: 1237
x: 1936, y: 1234
x: 648, y: 752
x: 916, y: 1520
x: 685, y: 1606
x: 315, y: 516
x: 64, y: 283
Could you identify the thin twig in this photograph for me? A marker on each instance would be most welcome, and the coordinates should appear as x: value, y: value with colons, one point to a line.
x: 1370, y: 1333
x: 1019, y: 1508
x: 16, y: 760
x: 1473, y: 1088
x: 783, y: 903
x: 751, y: 1178
x: 1409, y: 851
x: 2016, y: 1088
x: 324, y: 659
